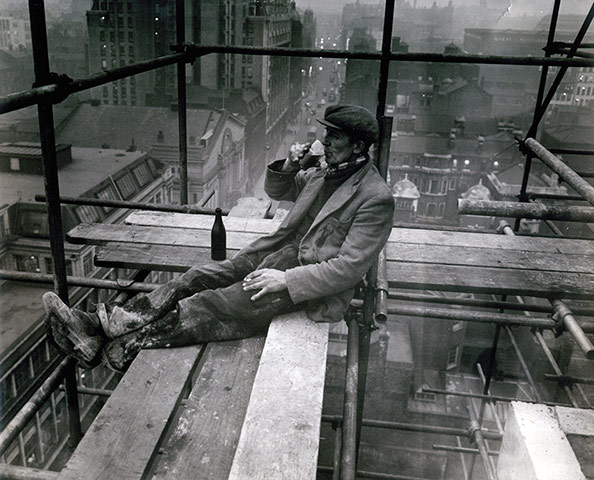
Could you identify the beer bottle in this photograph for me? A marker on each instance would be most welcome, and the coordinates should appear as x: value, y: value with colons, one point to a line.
x: 218, y: 237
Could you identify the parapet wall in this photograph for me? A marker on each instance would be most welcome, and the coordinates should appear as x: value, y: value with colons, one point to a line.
x: 547, y: 443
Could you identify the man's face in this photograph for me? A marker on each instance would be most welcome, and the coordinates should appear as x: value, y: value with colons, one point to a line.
x: 338, y: 147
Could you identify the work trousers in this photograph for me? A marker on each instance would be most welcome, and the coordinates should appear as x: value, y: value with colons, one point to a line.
x: 205, y: 304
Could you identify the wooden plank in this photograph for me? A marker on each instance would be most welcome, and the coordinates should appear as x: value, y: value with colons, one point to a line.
x: 492, y: 241
x: 152, y: 257
x: 203, y: 443
x: 100, y: 234
x: 490, y: 280
x: 254, y: 207
x: 485, y: 257
x: 200, y: 222
x: 281, y: 431
x: 124, y: 438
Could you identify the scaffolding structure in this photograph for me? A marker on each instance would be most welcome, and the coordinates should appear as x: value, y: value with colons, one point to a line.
x: 51, y: 88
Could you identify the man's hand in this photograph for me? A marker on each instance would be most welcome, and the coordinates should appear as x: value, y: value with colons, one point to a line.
x: 266, y: 280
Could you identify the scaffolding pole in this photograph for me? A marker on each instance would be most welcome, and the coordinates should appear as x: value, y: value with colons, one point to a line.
x: 12, y: 472
x: 419, y: 428
x: 52, y: 191
x: 157, y: 207
x: 470, y: 316
x: 481, y: 445
x: 472, y: 302
x: 59, y: 89
x: 539, y: 100
x: 576, y: 182
x: 537, y: 211
x: 569, y: 379
x: 385, y: 60
x: 180, y: 32
x: 27, y: 412
x: 348, y: 460
x: 555, y: 366
x: 523, y: 364
x: 47, y: 278
x: 541, y: 108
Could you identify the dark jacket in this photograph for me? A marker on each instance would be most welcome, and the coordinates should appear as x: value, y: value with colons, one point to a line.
x: 341, y: 244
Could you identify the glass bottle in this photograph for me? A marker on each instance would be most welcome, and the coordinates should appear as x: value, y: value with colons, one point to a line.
x: 218, y: 237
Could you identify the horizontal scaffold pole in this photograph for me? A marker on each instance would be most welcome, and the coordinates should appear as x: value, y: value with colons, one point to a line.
x: 537, y: 211
x: 12, y: 472
x: 158, y: 207
x: 48, y: 278
x: 469, y: 316
x: 557, y: 165
x: 57, y: 92
x: 569, y: 379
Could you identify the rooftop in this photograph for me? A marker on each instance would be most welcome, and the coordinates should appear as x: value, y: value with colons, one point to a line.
x: 88, y: 168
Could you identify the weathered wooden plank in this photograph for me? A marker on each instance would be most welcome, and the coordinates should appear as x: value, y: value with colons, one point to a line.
x: 251, y: 207
x: 486, y: 257
x: 201, y: 222
x: 491, y: 240
x: 490, y: 280
x: 124, y: 438
x: 179, y: 259
x: 280, y: 435
x: 152, y: 257
x: 100, y: 234
x: 203, y: 443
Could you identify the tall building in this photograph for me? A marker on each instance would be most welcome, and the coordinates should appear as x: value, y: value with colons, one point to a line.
x: 125, y: 32
x: 254, y: 23
x: 15, y: 34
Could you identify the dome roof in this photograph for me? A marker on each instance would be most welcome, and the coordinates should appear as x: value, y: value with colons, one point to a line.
x: 405, y: 189
x: 477, y: 192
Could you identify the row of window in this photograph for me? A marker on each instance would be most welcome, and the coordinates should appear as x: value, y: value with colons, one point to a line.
x: 121, y: 50
x: 112, y: 36
x: 111, y: 6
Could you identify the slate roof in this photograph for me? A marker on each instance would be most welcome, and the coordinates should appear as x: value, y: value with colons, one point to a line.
x: 116, y: 126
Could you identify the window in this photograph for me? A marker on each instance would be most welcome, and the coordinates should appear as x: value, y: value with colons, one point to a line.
x: 2, y: 228
x: 87, y: 213
x: 158, y: 198
x: 27, y: 263
x: 102, y: 35
x: 126, y: 186
x: 130, y: 37
x: 130, y: 22
x: 425, y: 396
x: 142, y: 174
x: 431, y: 209
x: 108, y: 193
x: 49, y: 264
x: 453, y: 356
x: 34, y: 223
x: 88, y: 263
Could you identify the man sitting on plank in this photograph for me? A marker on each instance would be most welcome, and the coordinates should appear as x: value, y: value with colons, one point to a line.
x: 340, y: 221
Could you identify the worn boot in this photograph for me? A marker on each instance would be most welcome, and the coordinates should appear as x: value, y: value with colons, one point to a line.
x: 74, y: 332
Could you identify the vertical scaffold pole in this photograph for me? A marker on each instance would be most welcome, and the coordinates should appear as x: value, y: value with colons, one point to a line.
x: 52, y: 191
x: 385, y: 61
x: 180, y: 32
x: 539, y: 98
x: 348, y: 458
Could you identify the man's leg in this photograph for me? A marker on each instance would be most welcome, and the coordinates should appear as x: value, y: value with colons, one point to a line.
x: 212, y: 315
x: 146, y: 308
x: 83, y: 334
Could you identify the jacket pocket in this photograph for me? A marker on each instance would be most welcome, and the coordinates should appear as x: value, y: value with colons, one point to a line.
x: 330, y: 237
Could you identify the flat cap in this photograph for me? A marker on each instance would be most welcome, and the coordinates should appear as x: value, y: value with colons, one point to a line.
x: 355, y: 121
